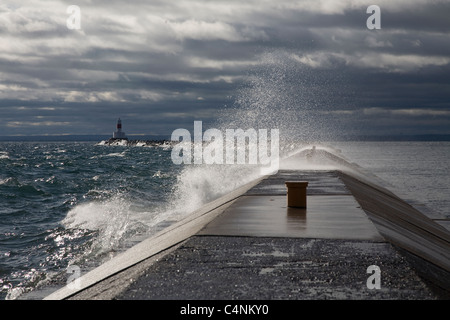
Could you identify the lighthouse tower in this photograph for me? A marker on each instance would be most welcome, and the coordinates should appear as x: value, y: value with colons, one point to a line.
x: 119, y: 134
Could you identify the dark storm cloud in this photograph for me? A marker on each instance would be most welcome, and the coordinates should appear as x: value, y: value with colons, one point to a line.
x: 161, y: 65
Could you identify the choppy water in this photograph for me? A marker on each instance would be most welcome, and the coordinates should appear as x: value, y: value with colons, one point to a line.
x: 66, y: 203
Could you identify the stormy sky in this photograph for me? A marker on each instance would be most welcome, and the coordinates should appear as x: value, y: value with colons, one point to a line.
x: 160, y: 65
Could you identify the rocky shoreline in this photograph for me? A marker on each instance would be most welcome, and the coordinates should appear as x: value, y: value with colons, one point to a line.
x: 136, y: 143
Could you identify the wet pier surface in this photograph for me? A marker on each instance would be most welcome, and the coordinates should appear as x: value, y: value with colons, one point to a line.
x: 252, y: 246
x: 209, y: 267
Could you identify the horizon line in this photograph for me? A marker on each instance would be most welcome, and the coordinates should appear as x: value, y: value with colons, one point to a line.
x: 94, y: 137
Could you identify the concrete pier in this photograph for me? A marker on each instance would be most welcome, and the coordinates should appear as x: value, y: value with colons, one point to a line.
x: 250, y: 245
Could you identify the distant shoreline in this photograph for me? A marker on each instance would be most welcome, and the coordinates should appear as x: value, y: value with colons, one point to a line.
x: 87, y: 138
x: 155, y: 138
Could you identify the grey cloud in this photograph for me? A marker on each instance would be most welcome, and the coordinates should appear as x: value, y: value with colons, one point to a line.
x: 148, y: 60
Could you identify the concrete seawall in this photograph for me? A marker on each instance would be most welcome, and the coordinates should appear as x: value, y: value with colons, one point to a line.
x: 250, y: 245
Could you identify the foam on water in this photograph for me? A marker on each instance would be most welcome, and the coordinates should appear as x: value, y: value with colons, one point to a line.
x: 198, y: 185
x: 112, y: 219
